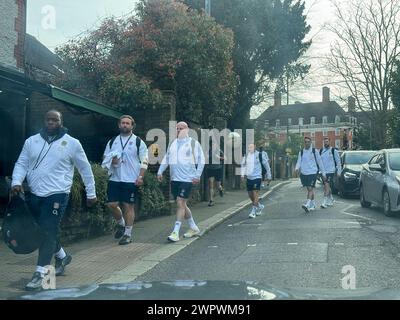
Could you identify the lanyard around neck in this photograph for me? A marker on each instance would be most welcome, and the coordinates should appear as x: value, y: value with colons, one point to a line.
x: 124, y: 145
x: 38, y: 160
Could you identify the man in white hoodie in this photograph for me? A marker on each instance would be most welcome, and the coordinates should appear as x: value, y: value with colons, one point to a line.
x: 252, y: 164
x: 47, y: 161
x: 186, y: 160
x: 308, y: 164
x: 331, y: 160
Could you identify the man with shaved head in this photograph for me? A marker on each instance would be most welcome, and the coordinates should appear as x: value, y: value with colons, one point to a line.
x: 186, y: 160
x: 47, y: 161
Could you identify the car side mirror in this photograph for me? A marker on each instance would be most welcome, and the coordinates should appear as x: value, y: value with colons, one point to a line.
x: 376, y: 167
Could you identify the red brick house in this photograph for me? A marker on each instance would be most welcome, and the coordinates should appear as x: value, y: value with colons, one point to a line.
x: 316, y: 120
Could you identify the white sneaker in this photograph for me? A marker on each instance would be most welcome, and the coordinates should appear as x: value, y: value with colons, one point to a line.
x: 324, y: 204
x: 306, y: 207
x: 330, y: 202
x: 252, y: 214
x: 312, y: 207
x: 192, y: 233
x: 259, y: 210
x: 173, y: 237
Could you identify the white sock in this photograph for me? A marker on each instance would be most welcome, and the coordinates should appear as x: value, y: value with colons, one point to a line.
x: 308, y: 203
x: 192, y: 224
x: 42, y: 270
x: 312, y: 203
x: 61, y: 254
x: 121, y: 222
x: 128, y: 231
x: 177, y: 226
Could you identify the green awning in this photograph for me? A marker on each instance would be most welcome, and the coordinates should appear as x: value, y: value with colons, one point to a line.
x: 79, y: 101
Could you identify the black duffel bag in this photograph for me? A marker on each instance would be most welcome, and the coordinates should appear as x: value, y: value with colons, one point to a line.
x: 20, y: 231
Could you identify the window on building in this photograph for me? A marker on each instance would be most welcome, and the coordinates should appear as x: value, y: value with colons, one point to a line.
x: 337, y: 132
x: 289, y: 121
x: 300, y: 121
x: 324, y: 119
x: 278, y: 123
x: 312, y: 121
x: 337, y: 143
x: 312, y: 133
x: 337, y: 119
x: 325, y: 133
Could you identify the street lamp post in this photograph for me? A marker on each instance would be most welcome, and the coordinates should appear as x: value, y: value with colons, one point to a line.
x: 207, y: 7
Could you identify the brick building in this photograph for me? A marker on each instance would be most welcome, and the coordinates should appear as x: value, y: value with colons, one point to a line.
x: 315, y: 119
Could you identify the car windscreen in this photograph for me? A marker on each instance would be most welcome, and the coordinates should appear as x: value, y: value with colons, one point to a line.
x: 394, y: 161
x: 358, y: 157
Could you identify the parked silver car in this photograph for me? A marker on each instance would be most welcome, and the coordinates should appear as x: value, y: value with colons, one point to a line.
x: 380, y: 181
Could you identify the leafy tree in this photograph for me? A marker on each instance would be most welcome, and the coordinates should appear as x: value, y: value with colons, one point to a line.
x: 365, y: 55
x: 269, y: 35
x: 129, y: 62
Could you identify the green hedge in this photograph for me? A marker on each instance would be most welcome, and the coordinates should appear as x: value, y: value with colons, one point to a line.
x: 83, y: 222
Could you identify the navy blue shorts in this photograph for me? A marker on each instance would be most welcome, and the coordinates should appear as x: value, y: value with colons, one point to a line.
x: 308, y: 180
x: 181, y: 189
x: 253, y: 185
x: 121, y: 192
x: 216, y: 173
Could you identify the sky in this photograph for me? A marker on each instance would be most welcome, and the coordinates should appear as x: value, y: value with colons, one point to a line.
x: 53, y: 22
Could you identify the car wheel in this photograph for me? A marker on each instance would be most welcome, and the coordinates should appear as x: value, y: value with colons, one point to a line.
x: 386, y: 204
x: 364, y: 204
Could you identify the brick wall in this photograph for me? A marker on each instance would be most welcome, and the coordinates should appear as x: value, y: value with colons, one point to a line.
x: 8, y: 34
x: 20, y: 28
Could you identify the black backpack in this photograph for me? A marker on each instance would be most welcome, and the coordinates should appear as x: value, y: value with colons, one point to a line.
x: 263, y: 170
x: 138, y: 141
x: 20, y: 231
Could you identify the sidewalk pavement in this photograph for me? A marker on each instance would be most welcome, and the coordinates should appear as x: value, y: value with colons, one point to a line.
x: 102, y: 260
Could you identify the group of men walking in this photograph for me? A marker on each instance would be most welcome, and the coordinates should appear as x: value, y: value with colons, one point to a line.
x: 47, y: 162
x: 312, y: 162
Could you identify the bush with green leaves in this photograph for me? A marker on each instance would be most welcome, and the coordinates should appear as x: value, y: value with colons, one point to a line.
x: 97, y: 220
x: 151, y: 198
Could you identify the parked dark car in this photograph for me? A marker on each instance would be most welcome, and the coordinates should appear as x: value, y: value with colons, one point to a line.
x: 380, y: 181
x: 348, y: 182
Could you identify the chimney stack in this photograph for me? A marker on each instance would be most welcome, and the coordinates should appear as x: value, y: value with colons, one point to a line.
x: 277, y: 99
x: 326, y: 94
x: 351, y: 104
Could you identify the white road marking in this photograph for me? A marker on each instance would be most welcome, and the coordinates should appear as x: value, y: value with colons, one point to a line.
x: 252, y: 245
x: 339, y: 244
x: 212, y: 246
x: 343, y: 211
x: 292, y: 244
